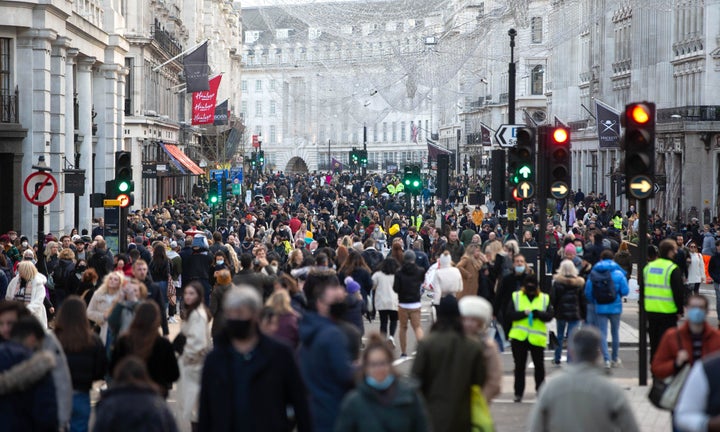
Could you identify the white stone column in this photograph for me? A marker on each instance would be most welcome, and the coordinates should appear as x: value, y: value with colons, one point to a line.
x: 85, y: 92
x: 70, y: 56
x: 34, y: 49
x: 58, y: 132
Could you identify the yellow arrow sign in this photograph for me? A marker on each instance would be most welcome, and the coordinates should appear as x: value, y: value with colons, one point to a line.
x: 643, y: 186
x: 111, y: 203
x: 562, y: 189
x: 525, y: 189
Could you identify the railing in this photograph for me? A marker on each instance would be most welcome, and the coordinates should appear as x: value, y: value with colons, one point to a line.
x: 165, y: 40
x: 689, y: 113
x: 91, y: 10
x: 9, y: 107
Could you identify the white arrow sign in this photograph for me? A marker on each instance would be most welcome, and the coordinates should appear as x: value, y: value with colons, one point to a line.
x: 506, y: 135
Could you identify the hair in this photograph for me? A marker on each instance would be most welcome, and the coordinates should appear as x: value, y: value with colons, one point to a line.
x: 48, y: 247
x: 396, y: 251
x: 666, y: 246
x: 143, y: 288
x: 341, y: 255
x: 585, y: 344
x: 353, y: 262
x: 624, y: 246
x: 470, y: 250
x: 72, y: 327
x: 242, y: 296
x: 189, y: 308
x: 375, y: 342
x: 246, y: 260
x: 288, y: 282
x: 233, y: 257
x: 138, y: 262
x: 27, y: 326
x: 131, y: 371
x: 701, y: 297
x: 13, y: 306
x: 159, y: 255
x: 567, y: 269
x: 67, y: 254
x: 90, y: 275
x: 223, y: 277
x: 27, y: 270
x: 103, y: 286
x: 607, y: 254
x: 279, y: 301
x: 316, y: 284
x: 143, y: 330
x: 294, y: 254
x: 493, y: 248
x: 389, y: 266
x: 513, y: 246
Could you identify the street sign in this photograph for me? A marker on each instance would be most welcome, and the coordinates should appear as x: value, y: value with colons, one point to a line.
x: 124, y: 200
x: 525, y: 190
x: 506, y: 135
x: 559, y: 190
x: 512, y: 214
x: 255, y: 141
x: 641, y: 187
x: 111, y: 203
x: 40, y: 188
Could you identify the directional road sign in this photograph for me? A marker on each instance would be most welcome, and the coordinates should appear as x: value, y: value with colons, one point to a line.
x: 111, y: 203
x: 124, y: 200
x: 641, y: 187
x: 525, y: 190
x: 559, y: 190
x: 525, y: 171
x: 40, y: 188
x: 506, y: 135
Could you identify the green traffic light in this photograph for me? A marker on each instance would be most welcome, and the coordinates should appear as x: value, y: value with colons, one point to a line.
x: 416, y: 184
x: 525, y: 171
x: 407, y: 182
x: 213, y: 199
x: 123, y: 186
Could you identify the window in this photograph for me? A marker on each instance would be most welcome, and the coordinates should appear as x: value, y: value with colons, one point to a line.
x: 272, y: 108
x: 243, y: 108
x: 384, y: 134
x: 536, y: 78
x: 536, y: 30
x: 403, y: 134
x: 273, y: 84
x: 258, y: 130
x: 5, y: 78
x: 258, y: 108
x: 258, y: 85
x: 244, y: 85
x: 281, y: 33
x: 394, y: 131
x: 321, y: 134
x: 273, y: 134
x: 375, y: 133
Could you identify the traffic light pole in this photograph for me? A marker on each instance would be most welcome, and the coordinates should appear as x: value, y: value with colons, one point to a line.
x: 643, y: 245
x: 364, y: 166
x: 511, y: 116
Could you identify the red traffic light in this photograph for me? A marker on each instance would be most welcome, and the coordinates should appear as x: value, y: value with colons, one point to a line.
x: 560, y: 135
x: 640, y: 113
x: 515, y: 195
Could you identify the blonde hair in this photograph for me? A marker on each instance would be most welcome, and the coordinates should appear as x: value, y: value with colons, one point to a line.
x: 103, y: 289
x: 49, y: 246
x: 233, y: 257
x: 67, y: 254
x: 279, y: 302
x: 493, y: 248
x: 567, y: 269
x: 513, y: 246
x: 27, y: 270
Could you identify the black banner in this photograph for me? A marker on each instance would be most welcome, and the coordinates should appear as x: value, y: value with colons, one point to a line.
x: 608, y: 125
x: 221, y: 113
x: 196, y: 70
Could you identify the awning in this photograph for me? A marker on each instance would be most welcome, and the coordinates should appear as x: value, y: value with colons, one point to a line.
x: 181, y: 160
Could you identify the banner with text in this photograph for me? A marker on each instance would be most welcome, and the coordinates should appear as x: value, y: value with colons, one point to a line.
x: 608, y: 125
x: 221, y: 113
x: 196, y: 69
x: 203, y: 107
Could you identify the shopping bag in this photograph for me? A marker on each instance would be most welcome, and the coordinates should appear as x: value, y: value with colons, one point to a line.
x: 480, y: 411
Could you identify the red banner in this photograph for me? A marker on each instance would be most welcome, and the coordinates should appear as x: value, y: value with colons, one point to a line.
x: 203, y: 107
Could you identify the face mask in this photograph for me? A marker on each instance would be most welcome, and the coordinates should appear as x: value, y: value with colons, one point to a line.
x: 220, y: 262
x: 24, y: 244
x: 81, y: 268
x: 696, y: 315
x: 519, y: 269
x: 338, y: 310
x: 238, y: 329
x: 380, y: 385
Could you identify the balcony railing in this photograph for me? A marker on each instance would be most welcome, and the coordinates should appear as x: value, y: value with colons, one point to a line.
x: 689, y: 113
x: 91, y: 10
x: 165, y: 40
x: 9, y: 107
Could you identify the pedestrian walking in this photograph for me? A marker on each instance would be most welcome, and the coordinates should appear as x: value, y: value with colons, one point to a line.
x: 696, y: 270
x: 386, y: 300
x: 408, y: 281
x: 28, y: 287
x: 569, y: 304
x: 448, y: 279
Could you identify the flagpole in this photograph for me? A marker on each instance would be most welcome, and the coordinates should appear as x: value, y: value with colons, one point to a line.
x: 156, y: 68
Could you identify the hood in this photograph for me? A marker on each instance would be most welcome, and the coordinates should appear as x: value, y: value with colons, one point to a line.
x: 311, y: 325
x: 575, y: 281
x: 608, y: 265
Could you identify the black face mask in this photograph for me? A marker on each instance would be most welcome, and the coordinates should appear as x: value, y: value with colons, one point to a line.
x: 338, y: 310
x: 81, y: 269
x: 239, y: 329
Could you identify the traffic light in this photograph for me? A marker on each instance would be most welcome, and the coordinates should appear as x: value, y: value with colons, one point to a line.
x: 557, y: 146
x: 213, y: 193
x: 639, y: 146
x: 521, y: 162
x: 261, y: 158
x: 253, y: 159
x: 363, y: 156
x: 412, y: 179
x: 123, y: 173
x: 354, y: 157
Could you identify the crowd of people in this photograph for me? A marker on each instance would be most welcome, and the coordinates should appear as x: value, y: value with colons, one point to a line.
x: 273, y: 306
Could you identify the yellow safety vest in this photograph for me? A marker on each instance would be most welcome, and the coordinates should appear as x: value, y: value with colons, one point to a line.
x: 521, y: 330
x: 617, y: 222
x: 658, y: 292
x: 416, y: 221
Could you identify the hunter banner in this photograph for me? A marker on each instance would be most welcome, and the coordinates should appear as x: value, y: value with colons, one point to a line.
x: 203, y: 107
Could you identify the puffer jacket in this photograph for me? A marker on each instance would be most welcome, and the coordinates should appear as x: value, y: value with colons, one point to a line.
x: 569, y: 302
x: 621, y: 287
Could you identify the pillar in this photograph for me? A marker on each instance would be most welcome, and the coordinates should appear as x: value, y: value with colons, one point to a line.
x: 58, y: 155
x: 105, y: 101
x: 84, y: 91
x: 70, y: 56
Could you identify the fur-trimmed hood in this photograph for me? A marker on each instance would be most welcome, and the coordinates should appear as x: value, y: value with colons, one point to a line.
x: 574, y: 281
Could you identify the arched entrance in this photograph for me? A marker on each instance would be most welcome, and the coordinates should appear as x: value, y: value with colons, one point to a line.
x: 296, y: 165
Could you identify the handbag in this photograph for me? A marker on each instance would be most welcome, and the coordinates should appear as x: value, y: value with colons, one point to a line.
x: 178, y: 343
x: 664, y: 393
x: 480, y: 416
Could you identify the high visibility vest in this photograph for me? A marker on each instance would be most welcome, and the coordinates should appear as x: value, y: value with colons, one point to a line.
x: 617, y: 222
x: 658, y: 292
x: 416, y: 221
x: 521, y: 330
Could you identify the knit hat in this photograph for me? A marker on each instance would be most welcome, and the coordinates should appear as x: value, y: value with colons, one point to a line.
x: 351, y: 286
x: 475, y: 307
x: 445, y: 260
x: 448, y: 308
x: 570, y: 249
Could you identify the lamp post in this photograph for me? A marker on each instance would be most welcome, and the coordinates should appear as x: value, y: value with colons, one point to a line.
x: 261, y: 167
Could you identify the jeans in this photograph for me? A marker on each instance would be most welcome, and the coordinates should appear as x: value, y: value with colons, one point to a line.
x: 162, y: 286
x: 591, y: 317
x: 385, y: 316
x: 561, y: 324
x: 80, y: 411
x: 602, y: 322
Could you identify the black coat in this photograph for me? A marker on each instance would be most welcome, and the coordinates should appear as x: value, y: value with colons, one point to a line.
x: 407, y: 283
x: 276, y: 383
x: 569, y: 298
x: 87, y: 365
x: 162, y: 364
x: 133, y: 409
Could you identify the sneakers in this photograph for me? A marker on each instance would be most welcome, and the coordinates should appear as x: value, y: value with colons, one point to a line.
x: 517, y: 399
x: 556, y: 363
x: 391, y: 341
x: 172, y: 320
x: 403, y: 355
x: 607, y: 364
x: 616, y: 363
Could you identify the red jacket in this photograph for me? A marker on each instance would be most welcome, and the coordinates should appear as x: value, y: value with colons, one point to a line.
x: 663, y: 364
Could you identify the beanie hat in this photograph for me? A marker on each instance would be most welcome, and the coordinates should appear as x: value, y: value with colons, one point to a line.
x: 351, y: 286
x: 445, y: 260
x: 570, y: 249
x: 475, y: 307
x: 448, y: 308
x: 409, y: 256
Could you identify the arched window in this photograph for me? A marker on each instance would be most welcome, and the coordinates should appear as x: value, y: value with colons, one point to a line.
x: 537, y: 80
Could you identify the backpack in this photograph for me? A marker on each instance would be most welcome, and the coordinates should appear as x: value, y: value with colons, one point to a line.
x: 603, y: 287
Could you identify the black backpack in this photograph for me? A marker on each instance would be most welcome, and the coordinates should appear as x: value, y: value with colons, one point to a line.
x: 603, y: 287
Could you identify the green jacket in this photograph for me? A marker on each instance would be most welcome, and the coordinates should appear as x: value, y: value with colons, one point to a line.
x: 364, y: 410
x: 447, y: 364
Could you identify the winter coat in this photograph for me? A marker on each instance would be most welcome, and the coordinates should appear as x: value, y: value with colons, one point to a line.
x: 197, y: 345
x: 324, y: 345
x: 569, y: 299
x: 447, y: 280
x: 621, y: 287
x: 275, y: 384
x: 287, y: 330
x: 663, y: 363
x: 354, y: 312
x: 34, y: 408
x: 37, y: 298
x: 216, y: 310
x: 445, y: 380
x: 385, y: 297
x: 624, y: 260
x: 713, y: 268
x: 708, y: 244
x: 87, y: 365
x: 696, y: 269
x: 407, y: 283
x: 162, y: 364
x: 400, y: 409
x: 133, y: 409
x: 470, y: 270
x: 100, y: 303
x: 456, y: 250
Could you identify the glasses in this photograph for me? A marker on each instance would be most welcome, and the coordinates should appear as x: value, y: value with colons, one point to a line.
x: 693, y: 247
